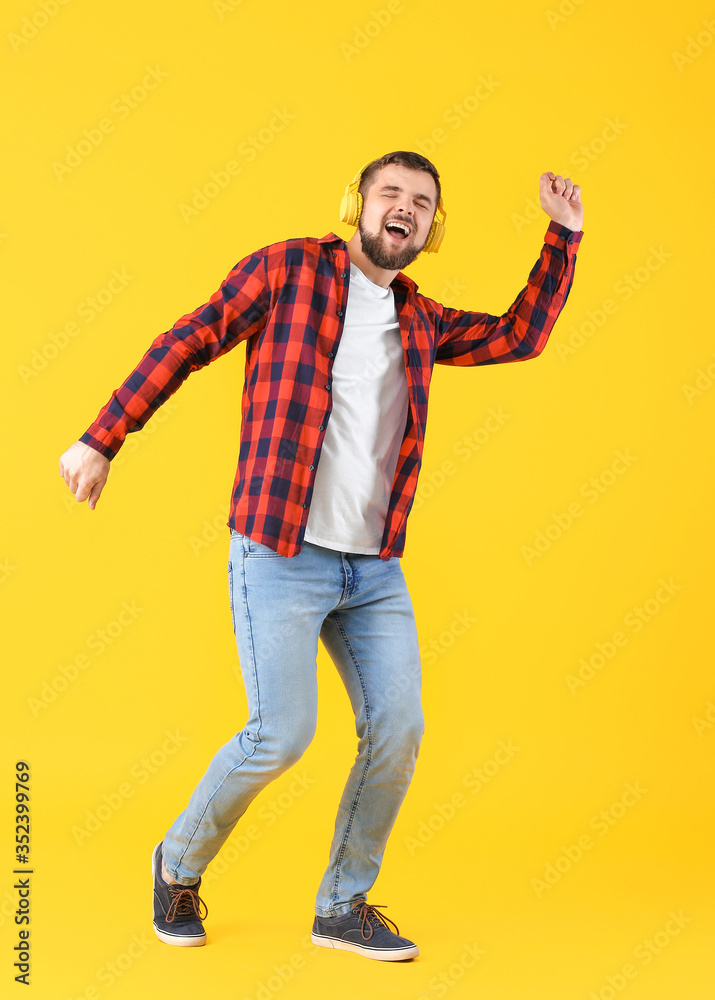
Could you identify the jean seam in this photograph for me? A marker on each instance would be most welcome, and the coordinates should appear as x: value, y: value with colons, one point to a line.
x: 210, y: 799
x: 258, y: 730
x: 253, y: 658
x: 230, y: 591
x: 348, y: 826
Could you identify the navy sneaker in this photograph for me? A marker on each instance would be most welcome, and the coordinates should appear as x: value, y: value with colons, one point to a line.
x: 178, y: 909
x: 364, y: 931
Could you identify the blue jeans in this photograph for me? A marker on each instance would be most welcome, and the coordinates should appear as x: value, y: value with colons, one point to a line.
x: 360, y: 608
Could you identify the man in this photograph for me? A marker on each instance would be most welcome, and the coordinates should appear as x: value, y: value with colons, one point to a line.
x: 334, y: 411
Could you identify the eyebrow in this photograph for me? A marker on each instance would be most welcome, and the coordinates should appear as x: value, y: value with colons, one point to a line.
x: 396, y: 187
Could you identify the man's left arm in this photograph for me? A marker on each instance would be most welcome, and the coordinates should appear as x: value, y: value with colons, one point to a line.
x: 465, y: 337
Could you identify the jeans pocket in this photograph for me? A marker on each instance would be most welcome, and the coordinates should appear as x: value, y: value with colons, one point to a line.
x: 258, y: 550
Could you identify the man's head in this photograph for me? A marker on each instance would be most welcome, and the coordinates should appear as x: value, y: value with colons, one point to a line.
x: 399, y: 187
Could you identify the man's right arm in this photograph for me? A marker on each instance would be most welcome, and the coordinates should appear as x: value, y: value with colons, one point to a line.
x: 234, y: 312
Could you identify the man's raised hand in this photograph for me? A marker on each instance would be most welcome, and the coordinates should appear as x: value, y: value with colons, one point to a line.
x: 85, y: 471
x: 561, y: 200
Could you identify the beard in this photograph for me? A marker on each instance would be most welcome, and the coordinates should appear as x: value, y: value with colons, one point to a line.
x: 390, y: 257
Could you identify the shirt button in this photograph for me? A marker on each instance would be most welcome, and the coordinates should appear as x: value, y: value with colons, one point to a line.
x: 304, y: 505
x: 340, y: 312
x: 327, y: 385
x: 322, y: 427
x: 330, y: 354
x: 334, y: 253
x: 344, y: 274
x: 311, y: 467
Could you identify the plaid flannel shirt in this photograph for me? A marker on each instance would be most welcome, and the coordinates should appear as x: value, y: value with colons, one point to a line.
x: 287, y: 301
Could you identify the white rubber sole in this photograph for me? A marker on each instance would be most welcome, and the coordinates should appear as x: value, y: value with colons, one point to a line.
x: 181, y: 940
x: 397, y: 955
x: 177, y: 940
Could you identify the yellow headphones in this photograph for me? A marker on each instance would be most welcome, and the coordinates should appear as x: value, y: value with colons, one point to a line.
x: 351, y: 207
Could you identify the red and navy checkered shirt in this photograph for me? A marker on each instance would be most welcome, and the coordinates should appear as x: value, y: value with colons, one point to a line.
x: 287, y: 301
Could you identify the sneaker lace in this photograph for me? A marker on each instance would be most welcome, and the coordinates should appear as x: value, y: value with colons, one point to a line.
x: 370, y: 918
x: 185, y: 902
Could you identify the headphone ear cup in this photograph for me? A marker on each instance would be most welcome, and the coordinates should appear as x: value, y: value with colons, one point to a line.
x: 437, y: 231
x: 436, y: 235
x: 435, y: 238
x: 351, y: 207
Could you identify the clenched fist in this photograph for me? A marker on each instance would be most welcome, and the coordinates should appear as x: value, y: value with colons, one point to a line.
x: 561, y: 200
x: 85, y: 471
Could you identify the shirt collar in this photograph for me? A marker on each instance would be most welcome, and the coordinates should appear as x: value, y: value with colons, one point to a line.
x: 400, y: 277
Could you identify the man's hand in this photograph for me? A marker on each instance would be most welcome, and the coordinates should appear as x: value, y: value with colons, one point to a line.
x: 561, y: 200
x: 85, y: 471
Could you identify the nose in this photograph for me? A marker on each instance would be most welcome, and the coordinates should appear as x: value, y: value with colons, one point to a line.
x: 408, y: 214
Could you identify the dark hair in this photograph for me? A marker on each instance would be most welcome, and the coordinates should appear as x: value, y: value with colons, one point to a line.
x: 402, y: 159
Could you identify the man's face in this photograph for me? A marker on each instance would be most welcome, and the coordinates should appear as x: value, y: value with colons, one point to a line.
x: 402, y: 194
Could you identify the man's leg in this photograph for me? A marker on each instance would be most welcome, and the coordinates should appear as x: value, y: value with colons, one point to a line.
x: 278, y: 606
x: 372, y: 639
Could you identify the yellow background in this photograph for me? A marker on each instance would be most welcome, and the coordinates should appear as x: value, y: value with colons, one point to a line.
x: 594, y: 93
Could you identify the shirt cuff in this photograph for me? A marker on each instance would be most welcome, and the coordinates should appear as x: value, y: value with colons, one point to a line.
x: 100, y: 446
x: 561, y: 236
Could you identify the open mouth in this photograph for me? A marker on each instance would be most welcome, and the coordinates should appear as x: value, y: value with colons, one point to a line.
x: 398, y: 231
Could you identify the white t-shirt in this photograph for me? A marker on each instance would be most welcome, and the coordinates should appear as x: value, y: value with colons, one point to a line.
x: 357, y: 463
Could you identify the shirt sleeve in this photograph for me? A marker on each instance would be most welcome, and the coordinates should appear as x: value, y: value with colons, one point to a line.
x: 234, y: 312
x: 473, y: 338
